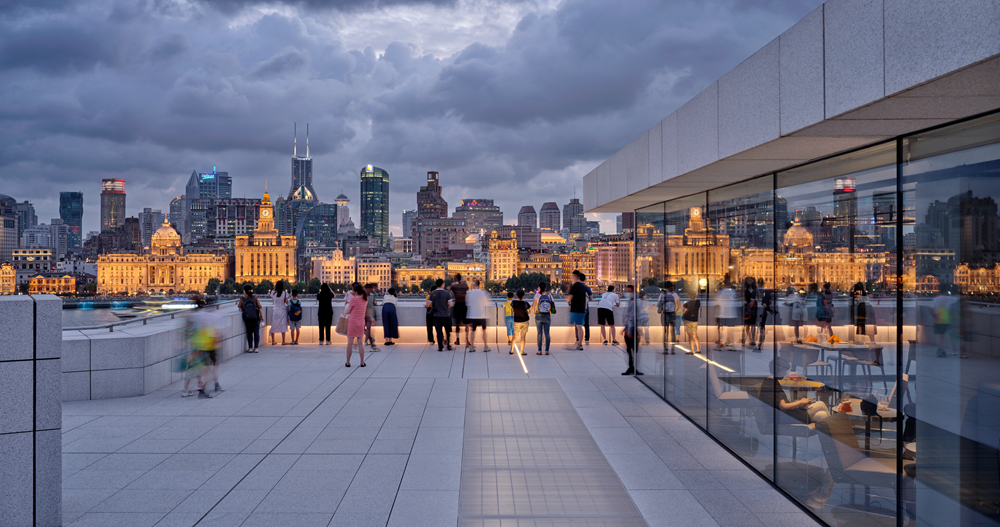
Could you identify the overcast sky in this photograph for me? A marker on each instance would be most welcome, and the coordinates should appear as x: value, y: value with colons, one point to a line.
x: 513, y: 101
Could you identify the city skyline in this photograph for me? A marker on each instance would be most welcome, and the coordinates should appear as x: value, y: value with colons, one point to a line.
x: 164, y: 108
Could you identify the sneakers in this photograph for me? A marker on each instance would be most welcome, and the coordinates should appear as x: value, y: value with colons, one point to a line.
x: 186, y: 393
x: 457, y: 342
x: 203, y: 395
x: 470, y: 349
x: 218, y: 388
x: 615, y: 342
x: 449, y: 347
x: 605, y: 343
x: 295, y: 344
x: 373, y: 348
x: 629, y: 371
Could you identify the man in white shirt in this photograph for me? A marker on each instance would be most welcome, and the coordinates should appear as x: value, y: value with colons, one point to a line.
x: 606, y: 314
x: 477, y: 302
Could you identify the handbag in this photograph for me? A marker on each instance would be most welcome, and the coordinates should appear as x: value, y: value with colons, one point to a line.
x: 342, y: 325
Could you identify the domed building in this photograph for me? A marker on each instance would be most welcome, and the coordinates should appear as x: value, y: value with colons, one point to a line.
x: 798, y: 240
x: 164, y: 269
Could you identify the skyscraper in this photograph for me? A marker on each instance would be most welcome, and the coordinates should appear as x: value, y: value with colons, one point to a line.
x: 375, y: 203
x: 71, y: 212
x: 202, y: 191
x: 26, y: 216
x: 149, y: 221
x: 548, y: 216
x: 430, y: 204
x: 343, y: 211
x: 409, y: 216
x: 60, y: 237
x: 573, y: 219
x: 527, y: 217
x: 9, y: 239
x: 112, y: 204
x: 176, y: 214
x: 302, y: 167
x: 479, y: 214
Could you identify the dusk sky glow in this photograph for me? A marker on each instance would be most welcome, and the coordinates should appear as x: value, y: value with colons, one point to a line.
x: 511, y: 101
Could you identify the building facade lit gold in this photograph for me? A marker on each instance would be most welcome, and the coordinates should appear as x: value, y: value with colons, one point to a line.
x: 265, y: 255
x: 503, y: 256
x: 469, y: 270
x: 583, y: 261
x: 166, y: 268
x: 52, y: 285
x: 407, y: 277
x: 8, y: 279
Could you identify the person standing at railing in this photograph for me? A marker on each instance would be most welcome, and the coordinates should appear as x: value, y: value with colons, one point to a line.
x: 477, y: 302
x: 250, y: 309
x: 667, y: 305
x: 325, y: 312
x: 279, y: 312
x: 458, y: 290
x: 390, y: 324
x: 577, y: 299
x: 370, y: 316
x: 441, y: 301
x: 355, y: 312
x: 606, y: 314
x: 521, y: 310
x: 543, y: 306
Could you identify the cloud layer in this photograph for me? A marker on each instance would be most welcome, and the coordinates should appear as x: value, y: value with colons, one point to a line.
x: 513, y: 101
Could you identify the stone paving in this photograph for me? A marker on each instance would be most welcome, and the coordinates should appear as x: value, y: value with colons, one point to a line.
x: 298, y: 439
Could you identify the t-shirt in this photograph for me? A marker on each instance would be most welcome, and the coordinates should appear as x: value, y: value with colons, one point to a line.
x: 439, y: 302
x: 691, y: 309
x: 590, y: 295
x: 520, y: 309
x: 477, y: 300
x: 459, y: 289
x: 771, y: 393
x: 608, y: 300
x: 578, y: 304
x: 507, y: 310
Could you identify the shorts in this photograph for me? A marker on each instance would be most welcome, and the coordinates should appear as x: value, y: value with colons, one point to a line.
x: 294, y: 324
x: 510, y: 325
x: 520, y: 328
x: 940, y: 329
x: 825, y: 319
x: 690, y: 326
x: 476, y: 322
x: 605, y: 316
x: 211, y: 357
x: 459, y: 312
x: 577, y: 319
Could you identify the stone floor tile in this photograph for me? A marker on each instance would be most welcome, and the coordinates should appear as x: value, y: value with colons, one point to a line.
x: 670, y: 508
x: 433, y: 472
x: 103, y: 519
x: 421, y: 508
x: 129, y: 500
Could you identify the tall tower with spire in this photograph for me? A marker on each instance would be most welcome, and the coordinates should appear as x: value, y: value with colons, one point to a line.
x: 302, y: 168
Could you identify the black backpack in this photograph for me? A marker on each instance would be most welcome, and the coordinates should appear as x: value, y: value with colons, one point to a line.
x: 250, y: 308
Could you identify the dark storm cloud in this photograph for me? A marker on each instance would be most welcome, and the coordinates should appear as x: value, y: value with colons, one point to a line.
x: 231, y: 6
x: 151, y: 90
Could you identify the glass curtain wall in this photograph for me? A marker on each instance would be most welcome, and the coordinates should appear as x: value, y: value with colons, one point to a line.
x: 843, y: 310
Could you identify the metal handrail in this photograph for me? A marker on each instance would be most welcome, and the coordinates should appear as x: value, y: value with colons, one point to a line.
x: 111, y: 325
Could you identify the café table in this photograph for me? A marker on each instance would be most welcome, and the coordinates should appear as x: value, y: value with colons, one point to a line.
x: 840, y: 349
x: 796, y: 387
x: 888, y: 415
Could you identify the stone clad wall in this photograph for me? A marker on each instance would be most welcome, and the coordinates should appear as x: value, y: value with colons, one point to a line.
x: 30, y: 411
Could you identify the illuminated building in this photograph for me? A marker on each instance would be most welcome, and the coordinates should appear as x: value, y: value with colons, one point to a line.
x: 112, y: 203
x: 541, y: 263
x: 402, y: 245
x: 265, y: 255
x: 52, y: 285
x: 469, y: 270
x: 583, y: 261
x: 698, y: 253
x: 430, y: 204
x: 503, y: 256
x: 982, y: 280
x: 302, y: 167
x: 614, y: 261
x: 149, y: 221
x: 8, y: 279
x: 334, y: 269
x: 9, y: 239
x: 407, y: 277
x: 373, y: 271
x: 437, y: 235
x: 236, y: 216
x: 375, y: 204
x: 33, y: 260
x: 166, y: 268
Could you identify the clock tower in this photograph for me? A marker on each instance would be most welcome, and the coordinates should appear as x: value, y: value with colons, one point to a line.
x: 266, y: 255
x: 266, y: 221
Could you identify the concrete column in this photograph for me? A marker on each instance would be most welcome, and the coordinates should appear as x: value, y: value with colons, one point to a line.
x: 31, y: 410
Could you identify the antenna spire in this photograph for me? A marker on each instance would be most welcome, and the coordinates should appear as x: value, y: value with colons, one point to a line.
x: 307, y: 139
x: 295, y: 140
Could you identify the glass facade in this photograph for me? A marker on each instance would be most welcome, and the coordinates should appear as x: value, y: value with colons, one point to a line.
x: 375, y: 204
x: 822, y: 321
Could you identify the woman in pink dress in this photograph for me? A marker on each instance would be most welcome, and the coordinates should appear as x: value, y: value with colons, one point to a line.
x: 356, y: 323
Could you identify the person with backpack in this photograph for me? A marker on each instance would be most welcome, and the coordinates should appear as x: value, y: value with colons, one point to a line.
x: 544, y: 307
x: 295, y: 316
x: 250, y: 309
x: 666, y: 306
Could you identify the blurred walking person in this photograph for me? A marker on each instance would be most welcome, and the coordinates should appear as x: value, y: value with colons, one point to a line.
x: 477, y: 302
x: 203, y: 335
x: 324, y: 313
x: 630, y: 330
x: 250, y: 309
x: 355, y: 312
